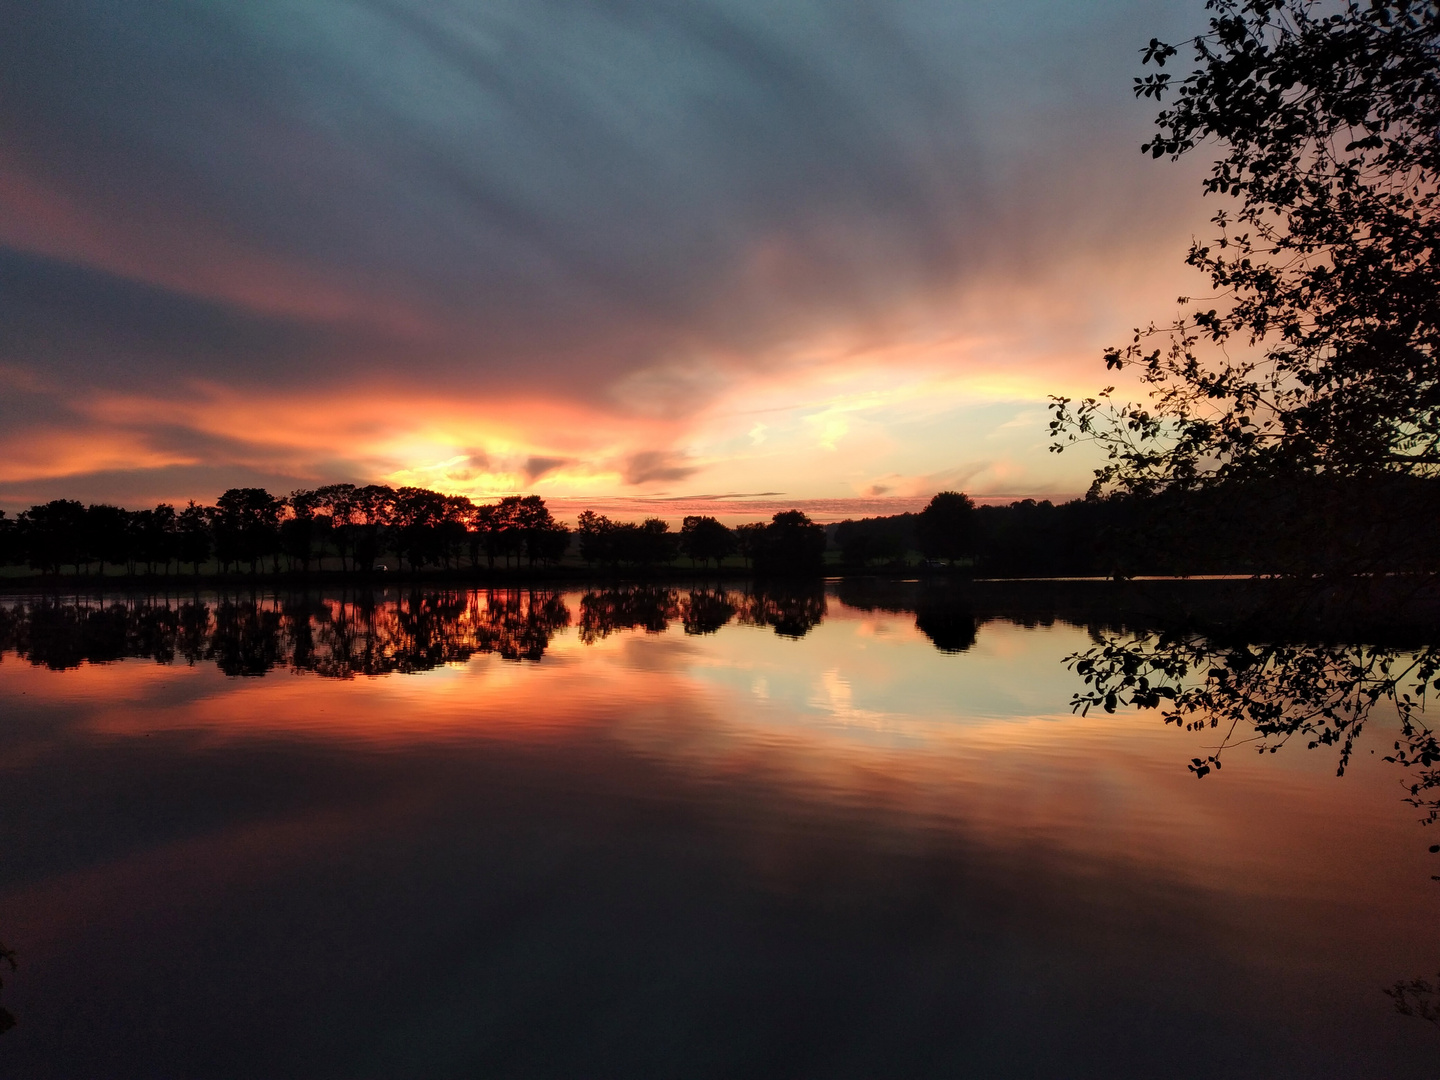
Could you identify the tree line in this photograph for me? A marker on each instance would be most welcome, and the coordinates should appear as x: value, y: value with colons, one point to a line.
x: 358, y: 526
x: 1300, y: 526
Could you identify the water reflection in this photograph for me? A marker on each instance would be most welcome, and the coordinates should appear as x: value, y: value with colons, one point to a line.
x: 368, y: 634
x: 719, y: 832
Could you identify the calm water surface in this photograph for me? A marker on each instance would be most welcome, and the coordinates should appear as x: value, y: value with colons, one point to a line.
x: 540, y: 835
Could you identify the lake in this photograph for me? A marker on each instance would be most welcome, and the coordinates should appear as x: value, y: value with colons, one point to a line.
x: 845, y: 831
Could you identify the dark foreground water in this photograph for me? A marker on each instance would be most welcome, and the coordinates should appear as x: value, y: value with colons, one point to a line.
x: 656, y: 834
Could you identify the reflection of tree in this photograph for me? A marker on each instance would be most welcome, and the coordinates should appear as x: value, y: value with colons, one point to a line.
x: 1264, y: 691
x: 518, y: 625
x: 640, y: 607
x: 946, y: 618
x: 245, y: 639
x: 1417, y: 997
x: 250, y: 635
x: 705, y: 611
x: 791, y: 609
x: 950, y: 627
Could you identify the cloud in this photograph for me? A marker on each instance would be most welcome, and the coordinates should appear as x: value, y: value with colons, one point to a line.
x: 536, y: 467
x: 251, y: 217
x: 652, y: 465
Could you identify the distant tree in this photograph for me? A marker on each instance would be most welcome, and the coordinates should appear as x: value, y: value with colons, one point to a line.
x: 337, y: 502
x: 53, y: 535
x: 791, y: 544
x: 156, y: 536
x: 879, y: 538
x: 109, y: 535
x: 539, y: 531
x: 509, y: 531
x: 453, y: 528
x: 655, y: 543
x: 705, y: 538
x: 9, y: 552
x: 479, y: 530
x: 945, y: 529
x: 749, y: 538
x: 417, y: 521
x: 298, y: 530
x: 371, y: 509
x: 193, y: 525
x: 249, y: 521
x: 596, y: 534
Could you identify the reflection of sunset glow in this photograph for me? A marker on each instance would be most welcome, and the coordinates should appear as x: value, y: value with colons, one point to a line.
x: 859, y: 712
x: 853, y: 765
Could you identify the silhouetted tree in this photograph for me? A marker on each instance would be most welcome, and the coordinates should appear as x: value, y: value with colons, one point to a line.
x: 479, y: 532
x: 153, y: 536
x: 1321, y: 353
x: 53, y: 534
x: 9, y: 544
x: 108, y: 535
x: 543, y: 537
x: 417, y: 519
x: 298, y: 530
x: 370, y: 509
x: 945, y: 529
x: 884, y: 538
x: 705, y: 538
x: 1316, y: 370
x: 249, y: 520
x: 337, y: 503
x: 749, y: 538
x: 790, y: 544
x: 596, y: 538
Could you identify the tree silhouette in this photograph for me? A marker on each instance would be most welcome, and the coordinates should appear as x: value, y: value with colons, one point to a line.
x: 791, y: 543
x: 1323, y: 351
x: 299, y: 532
x: 704, y: 538
x: 248, y: 519
x: 337, y: 502
x: 945, y: 529
x: 52, y: 535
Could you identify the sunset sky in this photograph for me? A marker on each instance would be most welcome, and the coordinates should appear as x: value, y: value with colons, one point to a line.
x: 834, y: 250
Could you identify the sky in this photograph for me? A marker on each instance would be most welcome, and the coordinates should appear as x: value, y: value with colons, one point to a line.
x: 623, y: 250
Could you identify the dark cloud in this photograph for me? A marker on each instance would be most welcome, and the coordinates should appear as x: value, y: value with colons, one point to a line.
x: 146, y: 487
x: 651, y: 465
x: 536, y: 467
x: 504, y: 193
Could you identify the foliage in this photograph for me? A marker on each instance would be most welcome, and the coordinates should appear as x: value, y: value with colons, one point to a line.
x: 875, y: 539
x: 1309, y: 379
x: 791, y: 543
x: 945, y: 529
x: 704, y: 538
x: 1320, y: 352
